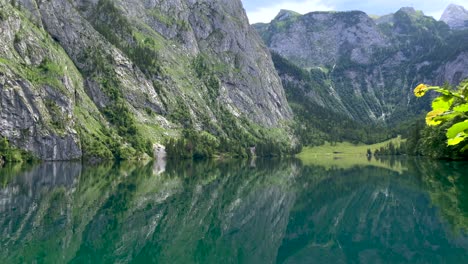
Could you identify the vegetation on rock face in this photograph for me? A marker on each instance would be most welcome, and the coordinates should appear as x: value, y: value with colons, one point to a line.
x: 314, y: 124
x: 9, y: 153
x: 229, y: 135
x: 202, y: 133
x: 358, y: 97
x: 131, y: 81
x: 369, y: 78
x: 114, y: 84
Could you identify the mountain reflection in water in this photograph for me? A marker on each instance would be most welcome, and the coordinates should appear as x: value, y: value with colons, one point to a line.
x: 266, y: 211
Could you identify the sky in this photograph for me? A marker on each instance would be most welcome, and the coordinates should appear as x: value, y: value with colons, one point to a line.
x: 266, y: 10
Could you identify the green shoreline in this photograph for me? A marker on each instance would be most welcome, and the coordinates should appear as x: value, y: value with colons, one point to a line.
x: 346, y: 155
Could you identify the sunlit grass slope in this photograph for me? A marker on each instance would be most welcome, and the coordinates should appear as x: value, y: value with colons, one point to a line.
x: 346, y: 155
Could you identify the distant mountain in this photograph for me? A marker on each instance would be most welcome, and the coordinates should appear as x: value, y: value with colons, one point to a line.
x: 455, y: 16
x: 390, y: 18
x: 363, y: 68
x: 286, y: 14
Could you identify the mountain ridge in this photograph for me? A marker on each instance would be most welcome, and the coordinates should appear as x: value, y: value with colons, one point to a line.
x: 372, y: 65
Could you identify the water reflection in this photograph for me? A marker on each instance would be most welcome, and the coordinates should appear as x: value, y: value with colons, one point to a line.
x: 447, y: 185
x: 237, y: 212
x: 369, y: 215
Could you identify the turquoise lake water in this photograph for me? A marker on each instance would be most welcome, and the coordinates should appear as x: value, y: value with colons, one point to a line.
x: 263, y: 211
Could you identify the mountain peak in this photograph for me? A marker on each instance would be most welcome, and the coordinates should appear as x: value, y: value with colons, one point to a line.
x: 286, y: 14
x: 453, y: 6
x: 408, y: 10
x: 456, y: 16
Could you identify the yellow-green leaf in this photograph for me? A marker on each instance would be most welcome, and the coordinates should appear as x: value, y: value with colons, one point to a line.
x: 457, y: 140
x: 456, y: 129
x: 421, y: 90
x: 461, y: 108
x: 443, y: 102
x: 447, y: 116
x: 433, y: 114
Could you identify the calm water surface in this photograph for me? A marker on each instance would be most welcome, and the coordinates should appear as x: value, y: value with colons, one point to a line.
x: 267, y: 211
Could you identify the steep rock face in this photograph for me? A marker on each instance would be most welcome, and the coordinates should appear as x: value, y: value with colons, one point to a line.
x: 38, y: 89
x: 217, y: 28
x: 455, y: 16
x: 78, y: 37
x: 220, y: 30
x: 320, y: 38
x: 141, y: 70
x: 370, y: 67
x: 454, y: 71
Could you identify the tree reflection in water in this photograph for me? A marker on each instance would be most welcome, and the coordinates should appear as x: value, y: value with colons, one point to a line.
x: 234, y: 211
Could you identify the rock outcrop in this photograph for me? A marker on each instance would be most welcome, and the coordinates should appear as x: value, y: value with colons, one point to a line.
x: 455, y: 16
x: 320, y: 38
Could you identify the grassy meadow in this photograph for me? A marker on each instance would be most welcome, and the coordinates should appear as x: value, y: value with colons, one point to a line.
x: 346, y: 155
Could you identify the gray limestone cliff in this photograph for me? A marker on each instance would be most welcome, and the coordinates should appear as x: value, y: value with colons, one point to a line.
x: 455, y: 16
x: 76, y: 75
x: 39, y: 86
x: 320, y: 38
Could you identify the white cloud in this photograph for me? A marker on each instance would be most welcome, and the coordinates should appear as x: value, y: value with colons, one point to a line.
x: 266, y: 10
x: 266, y: 14
x: 436, y: 15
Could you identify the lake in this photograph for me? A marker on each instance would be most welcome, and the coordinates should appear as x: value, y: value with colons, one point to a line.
x: 261, y: 211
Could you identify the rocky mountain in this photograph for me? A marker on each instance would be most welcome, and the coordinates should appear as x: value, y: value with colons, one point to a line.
x: 363, y: 68
x: 102, y: 78
x: 316, y: 39
x: 455, y: 16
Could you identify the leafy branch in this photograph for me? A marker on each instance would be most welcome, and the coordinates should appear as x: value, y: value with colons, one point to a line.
x: 451, y: 106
